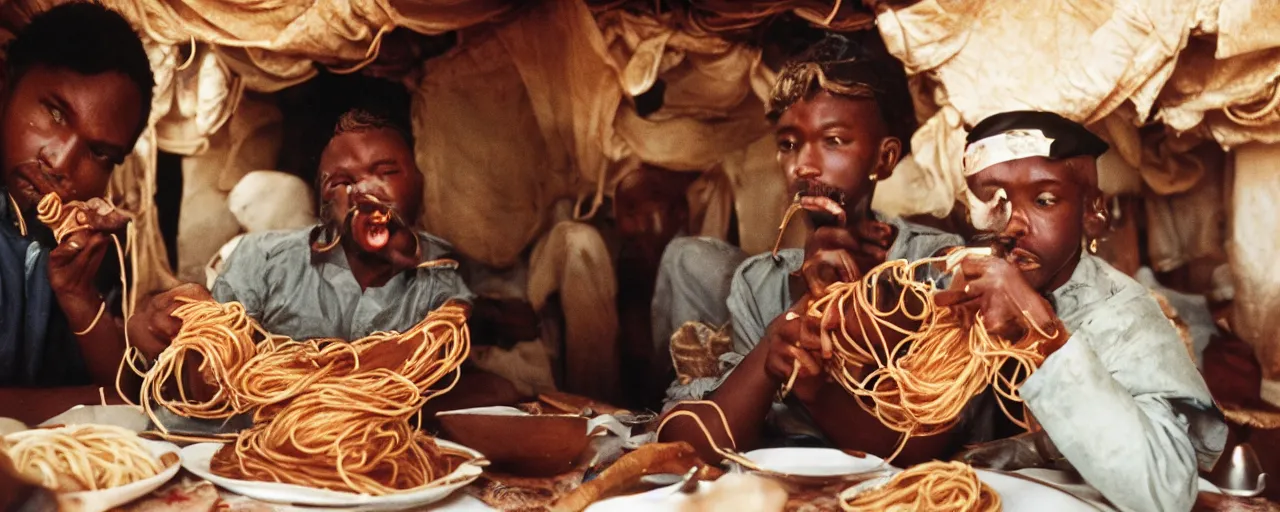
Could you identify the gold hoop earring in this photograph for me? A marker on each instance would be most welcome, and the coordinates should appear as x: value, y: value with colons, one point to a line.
x: 1093, y: 246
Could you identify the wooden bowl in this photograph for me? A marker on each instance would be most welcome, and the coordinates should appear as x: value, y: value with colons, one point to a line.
x: 518, y: 443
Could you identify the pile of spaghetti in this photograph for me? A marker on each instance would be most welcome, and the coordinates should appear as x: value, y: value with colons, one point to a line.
x: 327, y: 414
x: 82, y: 457
x: 921, y: 384
x: 935, y: 485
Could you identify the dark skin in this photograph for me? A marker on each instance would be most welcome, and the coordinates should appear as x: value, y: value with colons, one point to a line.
x: 65, y: 132
x: 377, y: 163
x: 1055, y: 204
x: 840, y: 143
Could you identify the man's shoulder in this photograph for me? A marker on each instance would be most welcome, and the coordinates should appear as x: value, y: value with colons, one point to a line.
x: 273, y: 244
x: 1102, y: 297
x: 916, y: 241
x: 766, y: 267
x: 434, y: 247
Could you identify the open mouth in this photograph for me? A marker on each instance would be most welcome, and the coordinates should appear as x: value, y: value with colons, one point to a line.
x: 825, y: 204
x: 25, y: 187
x: 372, y: 226
x: 1023, y: 259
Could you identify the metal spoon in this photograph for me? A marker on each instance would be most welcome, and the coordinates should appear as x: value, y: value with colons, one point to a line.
x: 1241, y: 475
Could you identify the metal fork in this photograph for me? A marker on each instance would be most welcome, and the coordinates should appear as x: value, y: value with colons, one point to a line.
x: 689, y: 484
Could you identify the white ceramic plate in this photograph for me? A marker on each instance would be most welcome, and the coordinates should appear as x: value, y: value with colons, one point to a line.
x: 1018, y: 495
x: 195, y: 458
x: 107, y: 499
x: 657, y: 500
x: 814, y: 462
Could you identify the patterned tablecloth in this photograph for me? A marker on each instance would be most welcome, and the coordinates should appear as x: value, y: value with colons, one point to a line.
x: 187, y: 493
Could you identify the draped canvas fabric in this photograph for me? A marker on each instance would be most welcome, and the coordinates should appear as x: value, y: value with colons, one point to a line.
x: 283, y: 39
x: 709, y: 94
x: 250, y: 140
x: 1080, y: 59
x: 550, y: 90
x: 1254, y: 250
x: 573, y: 261
x: 490, y: 177
x: 1187, y: 226
x: 1229, y: 100
x: 1246, y: 26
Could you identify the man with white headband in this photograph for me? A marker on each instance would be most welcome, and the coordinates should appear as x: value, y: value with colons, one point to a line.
x: 1119, y: 399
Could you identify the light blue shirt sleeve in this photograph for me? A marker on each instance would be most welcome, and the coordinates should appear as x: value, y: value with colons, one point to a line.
x: 244, y: 278
x: 1122, y: 400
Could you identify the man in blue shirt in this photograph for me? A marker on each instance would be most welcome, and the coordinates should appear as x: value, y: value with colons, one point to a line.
x: 77, y: 94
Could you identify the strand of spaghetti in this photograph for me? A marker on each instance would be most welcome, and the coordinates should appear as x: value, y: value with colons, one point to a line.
x: 101, y: 308
x: 17, y: 214
x: 67, y: 218
x: 786, y: 219
x: 952, y: 486
x: 729, y: 453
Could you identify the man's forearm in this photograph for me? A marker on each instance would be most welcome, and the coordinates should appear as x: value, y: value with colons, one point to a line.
x: 102, y: 345
x: 838, y: 415
x: 1135, y: 450
x: 745, y: 398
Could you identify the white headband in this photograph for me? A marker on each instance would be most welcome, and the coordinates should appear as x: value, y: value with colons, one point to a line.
x: 1003, y: 147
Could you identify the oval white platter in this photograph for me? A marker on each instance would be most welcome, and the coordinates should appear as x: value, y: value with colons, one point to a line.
x: 107, y: 499
x: 196, y: 458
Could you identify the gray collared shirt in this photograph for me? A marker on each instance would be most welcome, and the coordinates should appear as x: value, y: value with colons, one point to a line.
x: 761, y: 291
x: 295, y: 292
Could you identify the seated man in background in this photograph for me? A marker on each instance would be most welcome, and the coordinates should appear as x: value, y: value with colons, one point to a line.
x: 77, y: 95
x: 837, y: 133
x: 343, y: 279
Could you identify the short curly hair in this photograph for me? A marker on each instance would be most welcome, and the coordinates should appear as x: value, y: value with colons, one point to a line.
x: 364, y: 119
x: 87, y: 38
x: 847, y: 68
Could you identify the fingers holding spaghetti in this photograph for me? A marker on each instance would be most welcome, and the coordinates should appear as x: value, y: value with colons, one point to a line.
x: 920, y: 384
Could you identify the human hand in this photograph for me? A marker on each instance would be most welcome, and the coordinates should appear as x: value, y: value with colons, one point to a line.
x: 153, y: 326
x: 843, y: 254
x: 789, y: 364
x: 995, y: 289
x: 74, y: 263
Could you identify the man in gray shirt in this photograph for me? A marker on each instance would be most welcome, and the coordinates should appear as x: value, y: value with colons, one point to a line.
x: 837, y: 133
x: 353, y: 275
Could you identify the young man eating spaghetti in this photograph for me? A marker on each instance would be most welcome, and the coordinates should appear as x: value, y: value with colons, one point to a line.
x: 76, y: 96
x: 1117, y: 398
x: 838, y: 132
x: 351, y: 276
